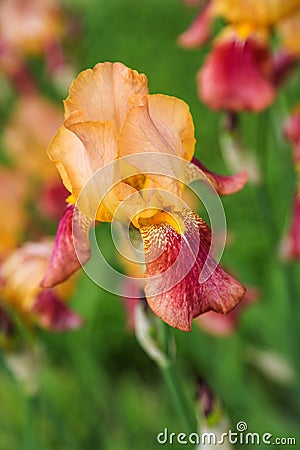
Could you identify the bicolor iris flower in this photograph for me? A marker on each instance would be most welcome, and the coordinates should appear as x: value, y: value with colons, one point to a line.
x: 243, y: 71
x: 109, y: 114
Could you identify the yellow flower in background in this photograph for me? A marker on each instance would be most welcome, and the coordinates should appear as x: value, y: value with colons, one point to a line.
x: 244, y: 70
x: 259, y: 13
x: 31, y: 125
x: 33, y: 121
x: 288, y: 31
x: 13, y: 195
x: 21, y: 273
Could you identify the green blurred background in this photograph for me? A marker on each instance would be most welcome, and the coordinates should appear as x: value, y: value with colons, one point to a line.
x: 98, y: 388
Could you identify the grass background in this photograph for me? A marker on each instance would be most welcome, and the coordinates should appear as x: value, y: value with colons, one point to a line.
x: 98, y: 389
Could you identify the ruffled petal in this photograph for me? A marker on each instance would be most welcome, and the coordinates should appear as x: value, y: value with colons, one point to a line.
x: 224, y: 185
x: 71, y: 247
x: 236, y: 75
x: 158, y: 123
x: 220, y: 325
x: 174, y: 263
x: 199, y: 30
x: 52, y: 314
x: 102, y: 93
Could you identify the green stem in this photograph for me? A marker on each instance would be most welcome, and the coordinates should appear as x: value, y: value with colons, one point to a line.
x: 274, y: 233
x: 29, y: 438
x: 175, y: 388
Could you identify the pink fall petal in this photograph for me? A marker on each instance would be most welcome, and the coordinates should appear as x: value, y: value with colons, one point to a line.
x: 177, y: 304
x: 200, y: 29
x: 220, y: 325
x: 233, y: 77
x: 71, y: 247
x: 224, y: 185
x: 52, y: 314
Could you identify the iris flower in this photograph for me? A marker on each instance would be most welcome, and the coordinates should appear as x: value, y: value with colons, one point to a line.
x: 109, y: 114
x: 20, y: 274
x: 242, y: 72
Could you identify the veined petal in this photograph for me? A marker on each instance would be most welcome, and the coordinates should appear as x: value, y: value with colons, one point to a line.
x: 102, y: 93
x: 158, y: 123
x: 71, y: 247
x: 52, y: 314
x: 177, y: 304
x: 224, y: 185
x: 236, y: 75
x: 220, y: 325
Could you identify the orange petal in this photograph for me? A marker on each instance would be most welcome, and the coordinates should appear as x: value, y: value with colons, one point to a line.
x: 71, y: 248
x: 158, y: 123
x: 263, y: 13
x: 289, y: 33
x: 78, y: 153
x: 102, y: 93
x: 224, y: 185
x: 171, y: 256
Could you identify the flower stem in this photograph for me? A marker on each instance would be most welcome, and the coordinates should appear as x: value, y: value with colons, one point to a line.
x: 274, y: 233
x: 175, y: 388
x: 29, y: 406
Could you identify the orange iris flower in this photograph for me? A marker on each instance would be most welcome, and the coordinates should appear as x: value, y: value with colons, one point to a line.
x: 109, y: 114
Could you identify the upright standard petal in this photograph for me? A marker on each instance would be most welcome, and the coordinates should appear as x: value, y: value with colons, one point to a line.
x: 71, y: 248
x: 170, y: 256
x: 224, y: 185
x: 236, y: 75
x: 102, y: 93
x: 158, y: 123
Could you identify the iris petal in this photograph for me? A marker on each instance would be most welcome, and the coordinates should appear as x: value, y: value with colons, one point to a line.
x: 177, y: 304
x: 71, y: 247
